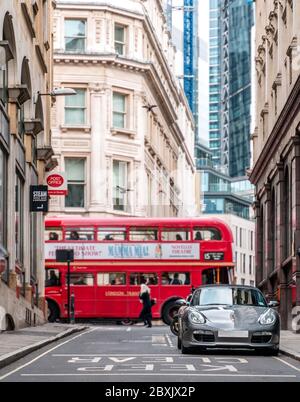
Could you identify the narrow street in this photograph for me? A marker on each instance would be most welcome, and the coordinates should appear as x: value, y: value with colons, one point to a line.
x: 137, y: 354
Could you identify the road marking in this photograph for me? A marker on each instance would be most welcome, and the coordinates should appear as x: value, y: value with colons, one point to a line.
x: 128, y: 329
x: 288, y: 364
x: 161, y: 374
x: 44, y: 354
x: 169, y: 341
x: 158, y: 339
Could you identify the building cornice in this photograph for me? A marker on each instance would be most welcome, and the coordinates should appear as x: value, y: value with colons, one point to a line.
x: 280, y: 129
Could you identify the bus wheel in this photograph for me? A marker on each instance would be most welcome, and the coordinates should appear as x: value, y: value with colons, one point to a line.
x: 169, y: 311
x: 53, y: 312
x: 127, y: 322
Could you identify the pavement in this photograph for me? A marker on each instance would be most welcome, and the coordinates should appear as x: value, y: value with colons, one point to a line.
x: 290, y: 344
x: 16, y: 344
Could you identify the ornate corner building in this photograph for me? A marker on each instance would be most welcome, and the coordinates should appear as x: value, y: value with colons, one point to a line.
x: 25, y: 155
x: 126, y: 140
x: 276, y: 143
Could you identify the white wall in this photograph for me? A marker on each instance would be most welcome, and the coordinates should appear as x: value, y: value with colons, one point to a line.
x: 241, y: 230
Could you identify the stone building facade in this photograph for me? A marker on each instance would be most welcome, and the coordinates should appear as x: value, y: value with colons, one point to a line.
x: 25, y: 155
x: 126, y: 140
x: 276, y: 142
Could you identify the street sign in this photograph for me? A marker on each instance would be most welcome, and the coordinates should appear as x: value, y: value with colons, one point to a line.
x: 57, y: 184
x: 64, y: 255
x: 38, y: 199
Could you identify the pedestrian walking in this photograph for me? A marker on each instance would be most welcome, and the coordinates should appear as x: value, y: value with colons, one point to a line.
x: 146, y: 314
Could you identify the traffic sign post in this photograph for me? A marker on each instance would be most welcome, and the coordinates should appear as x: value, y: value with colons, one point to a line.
x: 68, y: 257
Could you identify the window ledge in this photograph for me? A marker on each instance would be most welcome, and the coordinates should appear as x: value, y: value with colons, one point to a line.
x: 75, y: 209
x: 68, y: 127
x: 119, y: 212
x: 123, y: 131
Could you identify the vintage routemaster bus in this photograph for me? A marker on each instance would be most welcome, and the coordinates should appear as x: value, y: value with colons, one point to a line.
x: 112, y: 257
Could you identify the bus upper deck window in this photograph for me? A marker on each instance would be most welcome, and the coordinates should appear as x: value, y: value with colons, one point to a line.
x: 206, y: 234
x: 175, y: 234
x: 82, y: 234
x: 143, y: 234
x: 53, y: 234
x: 111, y: 234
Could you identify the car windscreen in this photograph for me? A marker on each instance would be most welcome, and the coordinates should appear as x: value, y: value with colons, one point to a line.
x: 228, y: 296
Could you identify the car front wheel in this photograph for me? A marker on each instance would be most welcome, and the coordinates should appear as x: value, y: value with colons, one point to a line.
x: 179, y: 343
x: 185, y: 350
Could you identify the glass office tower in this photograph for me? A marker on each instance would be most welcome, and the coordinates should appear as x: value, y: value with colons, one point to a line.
x: 231, y: 23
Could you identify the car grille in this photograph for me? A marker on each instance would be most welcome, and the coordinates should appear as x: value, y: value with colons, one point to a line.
x: 261, y: 337
x: 205, y: 337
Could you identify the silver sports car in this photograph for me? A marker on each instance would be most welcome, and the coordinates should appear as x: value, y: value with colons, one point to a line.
x: 225, y: 316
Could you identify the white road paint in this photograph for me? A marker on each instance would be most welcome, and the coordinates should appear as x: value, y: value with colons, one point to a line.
x: 158, y: 340
x: 288, y: 364
x: 169, y: 341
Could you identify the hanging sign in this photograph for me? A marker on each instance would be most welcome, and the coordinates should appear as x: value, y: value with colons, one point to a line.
x: 57, y: 184
x: 38, y: 199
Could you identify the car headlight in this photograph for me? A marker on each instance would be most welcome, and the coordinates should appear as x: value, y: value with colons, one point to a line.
x: 267, y: 318
x: 196, y: 317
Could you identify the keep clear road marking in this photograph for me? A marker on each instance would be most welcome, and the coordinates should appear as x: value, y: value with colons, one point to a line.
x: 44, y: 354
x: 288, y: 364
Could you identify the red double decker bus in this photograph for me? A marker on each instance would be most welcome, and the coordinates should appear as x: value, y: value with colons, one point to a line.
x: 112, y: 257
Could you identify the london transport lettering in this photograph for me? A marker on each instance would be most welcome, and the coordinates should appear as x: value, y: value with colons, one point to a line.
x: 126, y: 251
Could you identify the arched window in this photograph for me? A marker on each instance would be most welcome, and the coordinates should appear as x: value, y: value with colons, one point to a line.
x: 287, y: 215
x: 7, y: 53
x: 39, y: 117
x: 24, y: 96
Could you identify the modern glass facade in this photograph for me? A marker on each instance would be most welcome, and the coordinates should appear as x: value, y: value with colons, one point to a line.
x: 240, y: 26
x: 222, y: 194
x: 215, y: 81
x: 231, y: 23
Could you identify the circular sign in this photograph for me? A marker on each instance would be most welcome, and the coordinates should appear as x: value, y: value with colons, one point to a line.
x: 55, y: 180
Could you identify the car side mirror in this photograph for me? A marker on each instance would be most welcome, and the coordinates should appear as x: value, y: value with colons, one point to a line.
x: 188, y: 300
x: 273, y: 304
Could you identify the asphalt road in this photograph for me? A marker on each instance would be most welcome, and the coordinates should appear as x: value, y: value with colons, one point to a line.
x: 137, y: 354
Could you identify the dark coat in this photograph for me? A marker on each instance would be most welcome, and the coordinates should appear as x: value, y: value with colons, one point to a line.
x: 146, y: 311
